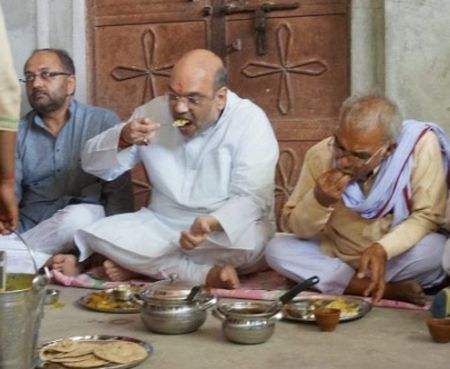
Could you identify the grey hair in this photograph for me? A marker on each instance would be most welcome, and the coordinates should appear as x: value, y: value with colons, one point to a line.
x: 368, y: 112
x: 220, y: 78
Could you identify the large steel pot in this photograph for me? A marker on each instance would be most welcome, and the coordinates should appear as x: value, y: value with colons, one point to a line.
x: 21, y: 311
x: 167, y: 307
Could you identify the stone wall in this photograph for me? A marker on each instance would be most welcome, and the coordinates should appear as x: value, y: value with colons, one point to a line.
x: 399, y: 47
x: 47, y: 23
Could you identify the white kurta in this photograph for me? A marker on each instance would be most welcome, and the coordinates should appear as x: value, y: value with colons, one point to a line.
x: 226, y: 171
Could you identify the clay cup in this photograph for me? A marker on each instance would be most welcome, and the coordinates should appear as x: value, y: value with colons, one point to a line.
x: 439, y: 329
x: 327, y: 319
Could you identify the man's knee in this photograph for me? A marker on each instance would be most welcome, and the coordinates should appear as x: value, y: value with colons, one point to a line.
x: 274, y: 250
x: 79, y: 216
x: 429, y: 250
x: 446, y: 257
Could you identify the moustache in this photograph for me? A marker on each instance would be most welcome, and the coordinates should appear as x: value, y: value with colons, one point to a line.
x: 36, y: 93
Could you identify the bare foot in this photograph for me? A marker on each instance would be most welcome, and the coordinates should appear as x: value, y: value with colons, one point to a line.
x: 222, y: 277
x: 66, y: 264
x: 116, y: 273
x: 408, y: 291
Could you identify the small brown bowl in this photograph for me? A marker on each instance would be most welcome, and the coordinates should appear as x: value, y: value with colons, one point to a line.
x: 327, y: 318
x: 439, y: 329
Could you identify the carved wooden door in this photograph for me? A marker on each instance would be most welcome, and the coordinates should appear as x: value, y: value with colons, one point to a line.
x: 290, y: 57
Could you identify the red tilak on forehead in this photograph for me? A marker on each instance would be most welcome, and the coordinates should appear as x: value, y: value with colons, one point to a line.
x: 179, y: 88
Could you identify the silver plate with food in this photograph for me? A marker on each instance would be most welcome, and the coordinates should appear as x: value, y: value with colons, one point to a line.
x: 112, y: 301
x: 99, y: 352
x: 302, y: 309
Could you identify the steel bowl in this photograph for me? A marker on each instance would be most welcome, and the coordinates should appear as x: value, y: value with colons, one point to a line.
x: 248, y: 322
x: 51, y: 296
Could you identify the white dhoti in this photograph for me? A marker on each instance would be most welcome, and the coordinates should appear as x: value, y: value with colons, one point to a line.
x: 300, y: 259
x: 146, y: 244
x: 52, y: 236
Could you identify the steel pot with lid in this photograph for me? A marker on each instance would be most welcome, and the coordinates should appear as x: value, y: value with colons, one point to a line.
x: 174, y: 306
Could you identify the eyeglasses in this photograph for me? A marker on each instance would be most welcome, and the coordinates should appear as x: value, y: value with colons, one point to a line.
x: 190, y: 100
x: 360, y: 158
x: 45, y: 75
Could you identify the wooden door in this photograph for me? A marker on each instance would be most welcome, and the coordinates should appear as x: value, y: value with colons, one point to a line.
x: 290, y: 57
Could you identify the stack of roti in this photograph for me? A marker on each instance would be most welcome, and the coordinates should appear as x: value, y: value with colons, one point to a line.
x: 91, y: 354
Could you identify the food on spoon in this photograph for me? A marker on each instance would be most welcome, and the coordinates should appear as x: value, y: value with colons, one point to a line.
x: 180, y: 122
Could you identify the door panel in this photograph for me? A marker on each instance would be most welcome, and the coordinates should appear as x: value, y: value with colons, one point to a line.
x: 294, y: 63
x: 140, y: 67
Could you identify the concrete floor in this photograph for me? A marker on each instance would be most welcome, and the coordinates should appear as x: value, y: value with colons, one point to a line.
x: 384, y: 338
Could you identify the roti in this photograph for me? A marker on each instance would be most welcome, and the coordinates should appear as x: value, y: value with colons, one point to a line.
x: 121, y: 352
x: 89, y: 363
x: 65, y: 345
x: 72, y: 349
x: 72, y: 359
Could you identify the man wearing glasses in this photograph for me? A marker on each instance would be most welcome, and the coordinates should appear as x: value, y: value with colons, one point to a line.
x: 367, y: 206
x: 56, y: 197
x: 210, y: 156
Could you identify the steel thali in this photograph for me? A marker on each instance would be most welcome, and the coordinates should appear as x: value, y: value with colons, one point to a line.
x: 106, y: 302
x: 40, y: 364
x: 302, y: 309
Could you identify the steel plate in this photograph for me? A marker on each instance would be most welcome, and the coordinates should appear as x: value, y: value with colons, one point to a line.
x: 302, y: 309
x: 95, y: 338
x: 128, y: 307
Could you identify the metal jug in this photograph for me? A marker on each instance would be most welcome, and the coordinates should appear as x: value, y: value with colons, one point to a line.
x: 21, y: 310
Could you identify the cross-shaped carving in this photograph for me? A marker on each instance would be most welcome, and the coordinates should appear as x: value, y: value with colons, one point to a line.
x: 124, y: 72
x: 284, y: 68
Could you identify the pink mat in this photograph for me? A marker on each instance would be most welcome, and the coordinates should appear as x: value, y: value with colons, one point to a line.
x: 267, y: 285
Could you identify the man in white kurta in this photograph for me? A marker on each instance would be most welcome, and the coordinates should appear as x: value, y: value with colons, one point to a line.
x: 212, y: 181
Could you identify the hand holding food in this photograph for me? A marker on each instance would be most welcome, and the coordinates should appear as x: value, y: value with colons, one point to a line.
x: 330, y: 186
x: 138, y: 132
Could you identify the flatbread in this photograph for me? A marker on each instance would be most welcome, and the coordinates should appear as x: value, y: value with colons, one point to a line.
x: 72, y: 359
x: 89, y: 363
x: 65, y: 345
x: 121, y: 352
x: 72, y: 349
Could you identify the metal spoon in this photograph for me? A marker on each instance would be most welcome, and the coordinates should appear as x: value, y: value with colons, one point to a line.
x: 32, y: 254
x: 193, y: 293
x: 294, y: 291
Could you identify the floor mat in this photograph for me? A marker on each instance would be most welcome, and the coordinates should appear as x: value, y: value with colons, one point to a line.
x: 267, y: 285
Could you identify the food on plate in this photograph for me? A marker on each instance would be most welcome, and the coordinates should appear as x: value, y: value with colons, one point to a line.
x: 91, y: 354
x: 120, y: 352
x: 180, y: 122
x: 303, y: 309
x: 88, y: 363
x: 346, y: 307
x: 110, y: 300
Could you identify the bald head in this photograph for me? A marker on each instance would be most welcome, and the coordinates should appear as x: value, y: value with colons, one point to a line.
x: 202, y: 65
